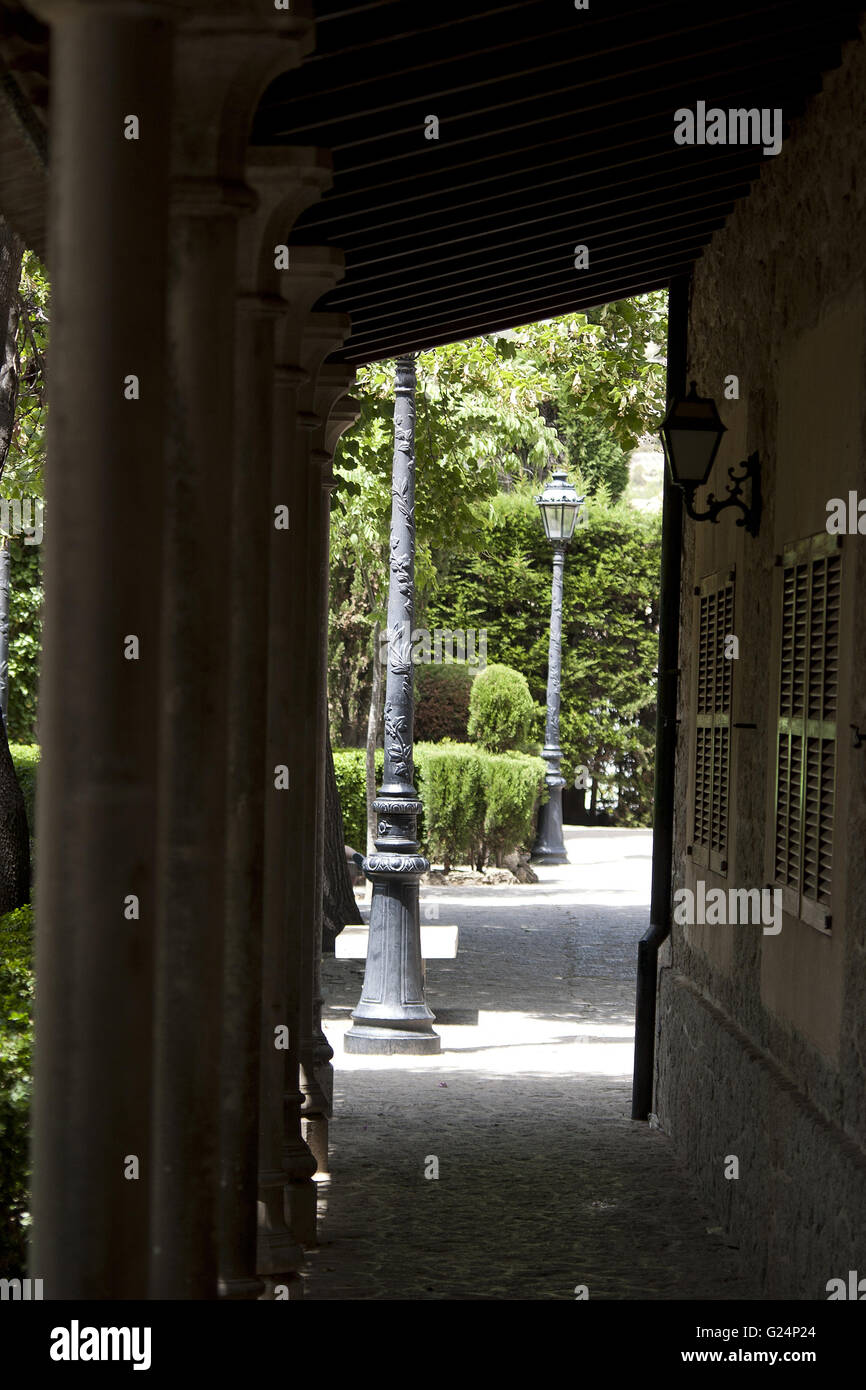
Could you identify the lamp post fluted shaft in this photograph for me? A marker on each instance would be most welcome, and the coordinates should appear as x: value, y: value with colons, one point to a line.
x: 549, y: 846
x: 392, y: 1015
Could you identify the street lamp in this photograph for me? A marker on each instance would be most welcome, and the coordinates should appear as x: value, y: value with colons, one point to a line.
x: 560, y: 506
x: 392, y: 1015
x: 691, y: 433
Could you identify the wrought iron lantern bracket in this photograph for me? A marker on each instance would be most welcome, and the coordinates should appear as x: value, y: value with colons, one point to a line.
x: 749, y: 471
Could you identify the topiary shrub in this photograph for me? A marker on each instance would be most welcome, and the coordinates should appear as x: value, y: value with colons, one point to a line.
x: 501, y: 709
x: 442, y: 691
x: 16, y: 1057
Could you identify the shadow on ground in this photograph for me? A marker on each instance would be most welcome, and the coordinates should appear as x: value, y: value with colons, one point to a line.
x: 544, y: 1181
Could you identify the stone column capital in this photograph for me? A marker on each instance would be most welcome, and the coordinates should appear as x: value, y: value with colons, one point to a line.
x: 287, y: 375
x: 287, y: 180
x: 57, y: 11
x: 261, y: 306
x: 314, y: 270
x: 226, y: 53
x: 211, y: 197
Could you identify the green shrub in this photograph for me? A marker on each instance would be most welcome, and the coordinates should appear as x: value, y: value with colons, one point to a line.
x: 501, y: 709
x: 442, y: 691
x: 25, y: 637
x: 478, y: 806
x: 451, y: 782
x: 350, y: 775
x: 25, y: 757
x: 16, y: 1049
x: 513, y: 789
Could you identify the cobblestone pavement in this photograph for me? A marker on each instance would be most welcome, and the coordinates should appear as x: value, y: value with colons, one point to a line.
x: 545, y: 1183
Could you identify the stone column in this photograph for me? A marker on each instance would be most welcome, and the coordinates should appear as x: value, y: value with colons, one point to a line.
x: 287, y: 1193
x: 195, y: 738
x: 255, y: 1042
x: 392, y: 1015
x: 334, y: 414
x: 241, y: 1034
x: 254, y: 518
x: 221, y: 64
x: 99, y: 698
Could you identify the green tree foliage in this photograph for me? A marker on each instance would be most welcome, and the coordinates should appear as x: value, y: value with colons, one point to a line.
x: 492, y: 413
x: 610, y: 624
x: 25, y: 638
x: 24, y: 478
x: 502, y: 713
x: 24, y: 469
x: 594, y: 456
x: 16, y: 1061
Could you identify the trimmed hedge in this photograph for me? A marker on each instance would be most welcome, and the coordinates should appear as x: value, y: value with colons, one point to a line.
x: 513, y: 788
x: 478, y: 806
x: 501, y: 709
x: 442, y: 691
x: 350, y: 775
x: 450, y: 781
x: 16, y: 1058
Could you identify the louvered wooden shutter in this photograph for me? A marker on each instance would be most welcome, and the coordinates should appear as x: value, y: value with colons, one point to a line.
x: 806, y: 736
x: 715, y: 621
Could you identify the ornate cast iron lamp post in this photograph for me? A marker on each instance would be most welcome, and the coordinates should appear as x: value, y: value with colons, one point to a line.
x: 392, y: 1015
x: 560, y: 506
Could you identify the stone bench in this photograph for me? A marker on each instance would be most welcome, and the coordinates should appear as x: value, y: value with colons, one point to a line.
x: 438, y: 942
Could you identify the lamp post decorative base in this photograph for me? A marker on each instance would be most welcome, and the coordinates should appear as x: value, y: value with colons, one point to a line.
x: 548, y: 856
x: 392, y: 1015
x: 549, y: 847
x: 385, y: 1042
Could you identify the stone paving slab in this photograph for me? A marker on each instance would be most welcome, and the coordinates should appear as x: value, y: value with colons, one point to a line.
x: 545, y: 1183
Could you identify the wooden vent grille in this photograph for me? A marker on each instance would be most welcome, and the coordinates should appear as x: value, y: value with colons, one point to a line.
x: 714, y: 683
x: 806, y: 743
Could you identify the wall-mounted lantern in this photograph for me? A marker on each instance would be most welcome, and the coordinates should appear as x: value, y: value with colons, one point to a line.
x: 691, y: 433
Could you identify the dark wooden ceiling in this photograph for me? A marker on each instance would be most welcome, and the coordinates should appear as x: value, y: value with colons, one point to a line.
x: 556, y: 129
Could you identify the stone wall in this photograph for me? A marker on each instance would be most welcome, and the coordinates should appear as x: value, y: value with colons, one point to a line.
x: 761, y: 1050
